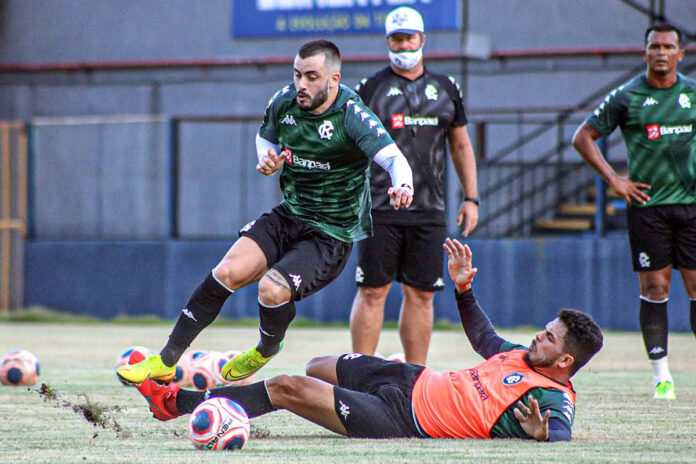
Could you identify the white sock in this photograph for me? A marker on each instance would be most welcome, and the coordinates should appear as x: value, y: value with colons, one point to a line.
x: 660, y: 371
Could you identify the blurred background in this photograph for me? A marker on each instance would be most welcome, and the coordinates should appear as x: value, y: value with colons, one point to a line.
x: 127, y: 155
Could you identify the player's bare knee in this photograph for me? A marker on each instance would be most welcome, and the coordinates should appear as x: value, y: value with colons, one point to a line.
x: 374, y: 294
x: 320, y: 366
x: 655, y: 291
x: 282, y: 389
x: 226, y: 274
x: 274, y: 290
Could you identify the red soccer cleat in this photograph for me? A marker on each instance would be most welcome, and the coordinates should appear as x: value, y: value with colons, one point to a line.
x: 161, y: 398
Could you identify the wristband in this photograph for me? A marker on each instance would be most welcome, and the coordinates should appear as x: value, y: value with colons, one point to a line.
x: 474, y: 200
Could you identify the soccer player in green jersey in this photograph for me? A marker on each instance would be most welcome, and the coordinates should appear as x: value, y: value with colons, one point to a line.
x: 656, y: 112
x: 323, y: 138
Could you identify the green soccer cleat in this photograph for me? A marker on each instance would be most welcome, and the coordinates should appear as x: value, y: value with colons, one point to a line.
x: 246, y: 364
x: 665, y: 391
x: 151, y: 368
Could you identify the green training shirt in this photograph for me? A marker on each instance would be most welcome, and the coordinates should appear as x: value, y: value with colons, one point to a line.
x: 659, y: 129
x: 560, y: 405
x: 325, y: 178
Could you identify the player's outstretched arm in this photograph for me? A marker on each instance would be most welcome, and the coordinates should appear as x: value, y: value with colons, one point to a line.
x: 533, y: 422
x: 459, y: 259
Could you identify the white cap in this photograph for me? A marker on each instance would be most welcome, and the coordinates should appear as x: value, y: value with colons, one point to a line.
x: 405, y: 20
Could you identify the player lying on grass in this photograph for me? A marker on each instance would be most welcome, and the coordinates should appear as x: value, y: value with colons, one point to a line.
x: 517, y: 392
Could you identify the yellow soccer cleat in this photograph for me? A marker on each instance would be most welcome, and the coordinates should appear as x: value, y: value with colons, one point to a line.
x: 151, y: 368
x: 246, y: 364
x: 665, y: 391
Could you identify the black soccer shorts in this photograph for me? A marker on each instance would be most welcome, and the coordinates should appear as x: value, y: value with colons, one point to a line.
x: 409, y: 254
x: 308, y: 258
x: 373, y: 397
x: 662, y: 235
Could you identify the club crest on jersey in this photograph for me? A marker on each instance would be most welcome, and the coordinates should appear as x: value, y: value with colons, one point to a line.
x: 684, y: 101
x: 431, y: 92
x: 326, y: 130
x: 513, y: 379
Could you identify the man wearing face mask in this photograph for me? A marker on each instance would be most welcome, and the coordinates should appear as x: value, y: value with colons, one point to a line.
x: 421, y: 110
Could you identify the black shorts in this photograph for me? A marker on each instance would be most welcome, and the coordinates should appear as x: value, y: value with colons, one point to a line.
x: 409, y: 254
x: 373, y: 397
x: 308, y: 258
x: 662, y: 235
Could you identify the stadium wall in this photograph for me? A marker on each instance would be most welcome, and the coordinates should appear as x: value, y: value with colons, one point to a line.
x: 520, y: 282
x: 101, y: 194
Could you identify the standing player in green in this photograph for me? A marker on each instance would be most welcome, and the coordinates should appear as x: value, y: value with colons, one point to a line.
x: 324, y: 139
x: 656, y: 112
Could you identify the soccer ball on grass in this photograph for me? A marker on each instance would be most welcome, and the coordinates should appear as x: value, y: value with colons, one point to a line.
x: 219, y: 424
x: 19, y: 367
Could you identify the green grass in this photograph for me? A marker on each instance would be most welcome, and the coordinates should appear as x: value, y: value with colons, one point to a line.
x: 616, y: 420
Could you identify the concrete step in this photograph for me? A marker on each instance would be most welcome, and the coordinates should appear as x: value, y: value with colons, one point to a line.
x: 564, y: 224
x: 584, y: 209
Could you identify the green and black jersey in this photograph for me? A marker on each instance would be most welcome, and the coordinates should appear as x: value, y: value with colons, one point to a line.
x: 659, y: 128
x: 325, y: 179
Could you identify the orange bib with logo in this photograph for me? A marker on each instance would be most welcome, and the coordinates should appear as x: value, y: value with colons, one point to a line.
x: 467, y: 403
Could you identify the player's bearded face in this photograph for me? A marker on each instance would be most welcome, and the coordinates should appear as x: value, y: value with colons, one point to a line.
x: 547, y: 345
x: 308, y: 102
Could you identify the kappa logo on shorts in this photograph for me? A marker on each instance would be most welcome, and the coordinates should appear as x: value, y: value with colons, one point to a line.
x: 350, y: 356
x: 296, y: 280
x: 439, y: 283
x: 248, y: 227
x: 643, y: 259
x: 344, y: 409
x: 513, y: 379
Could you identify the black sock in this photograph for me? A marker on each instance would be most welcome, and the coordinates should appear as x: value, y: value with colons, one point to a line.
x: 253, y: 398
x: 655, y: 328
x: 692, y: 316
x: 273, y: 322
x: 202, y: 309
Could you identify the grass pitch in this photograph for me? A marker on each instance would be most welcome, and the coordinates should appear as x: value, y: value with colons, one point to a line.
x: 616, y: 419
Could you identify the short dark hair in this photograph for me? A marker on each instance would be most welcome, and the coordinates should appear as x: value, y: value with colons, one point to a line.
x: 583, y: 338
x: 328, y: 49
x: 664, y: 27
